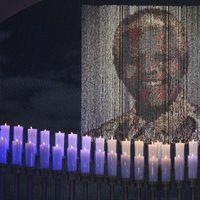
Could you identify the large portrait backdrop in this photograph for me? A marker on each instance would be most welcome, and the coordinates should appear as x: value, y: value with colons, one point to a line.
x: 140, y: 72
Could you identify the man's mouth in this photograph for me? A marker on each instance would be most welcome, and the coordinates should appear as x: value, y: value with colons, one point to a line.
x: 153, y: 83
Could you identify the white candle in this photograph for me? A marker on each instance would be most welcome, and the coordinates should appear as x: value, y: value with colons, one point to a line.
x: 99, y: 144
x: 16, y: 152
x: 125, y: 165
x: 139, y: 148
x: 159, y: 151
x: 85, y: 161
x: 193, y: 148
x: 139, y: 167
x: 112, y: 163
x: 60, y: 141
x: 179, y: 168
x: 86, y: 142
x: 18, y: 133
x: 57, y: 157
x: 192, y: 166
x: 166, y: 151
x: 44, y: 155
x: 126, y: 147
x: 72, y: 140
x: 152, y: 150
x: 32, y: 137
x: 44, y: 137
x: 180, y: 149
x: 5, y: 133
x: 71, y: 159
x: 153, y: 169
x: 99, y: 162
x: 3, y: 151
x: 112, y: 145
x: 30, y: 154
x: 166, y: 169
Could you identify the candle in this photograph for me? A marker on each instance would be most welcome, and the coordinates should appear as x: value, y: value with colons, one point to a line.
x: 159, y: 151
x: 57, y: 157
x: 3, y: 151
x: 5, y: 133
x: 126, y: 147
x: 192, y: 166
x: 99, y: 144
x: 139, y: 167
x: 193, y: 148
x: 179, y: 168
x: 152, y: 150
x: 86, y: 142
x: 125, y: 165
x: 153, y: 169
x: 18, y: 133
x: 112, y: 163
x: 44, y: 137
x: 59, y: 140
x: 71, y: 159
x: 44, y: 155
x: 72, y: 140
x: 166, y: 151
x: 180, y: 149
x: 16, y: 152
x: 30, y: 154
x: 139, y: 148
x: 99, y: 162
x: 32, y: 137
x: 85, y: 161
x: 112, y: 145
x: 166, y: 169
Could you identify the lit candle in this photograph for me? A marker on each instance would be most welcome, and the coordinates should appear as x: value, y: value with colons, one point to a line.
x: 72, y: 140
x: 44, y: 137
x: 166, y: 151
x: 86, y: 142
x: 180, y: 149
x: 112, y: 145
x: 153, y: 169
x: 85, y: 161
x: 57, y: 157
x: 193, y: 148
x: 16, y: 152
x: 126, y: 147
x: 179, y: 168
x: 139, y: 167
x: 99, y: 162
x: 112, y: 163
x: 152, y: 150
x: 139, y: 148
x: 18, y: 133
x: 71, y: 159
x: 159, y: 151
x: 32, y: 137
x: 5, y: 133
x: 99, y: 144
x: 44, y: 155
x: 59, y: 140
x: 166, y: 169
x: 125, y: 165
x: 30, y: 154
x: 192, y: 166
x: 3, y: 151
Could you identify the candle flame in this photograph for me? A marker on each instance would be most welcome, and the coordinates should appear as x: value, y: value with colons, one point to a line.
x: 71, y: 133
x: 5, y: 124
x: 30, y: 127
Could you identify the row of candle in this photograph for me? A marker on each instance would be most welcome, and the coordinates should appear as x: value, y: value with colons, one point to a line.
x: 158, y: 155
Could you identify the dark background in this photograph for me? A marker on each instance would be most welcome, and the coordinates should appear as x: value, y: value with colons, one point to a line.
x: 40, y: 70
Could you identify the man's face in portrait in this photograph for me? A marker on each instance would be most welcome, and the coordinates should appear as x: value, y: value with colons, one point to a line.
x: 151, y: 62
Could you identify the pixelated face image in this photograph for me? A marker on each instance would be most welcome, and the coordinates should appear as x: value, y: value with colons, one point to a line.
x: 150, y: 61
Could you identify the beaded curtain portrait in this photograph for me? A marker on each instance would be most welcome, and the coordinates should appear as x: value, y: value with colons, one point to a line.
x: 140, y: 72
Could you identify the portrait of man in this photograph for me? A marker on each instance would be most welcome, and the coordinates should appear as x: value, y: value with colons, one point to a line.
x: 150, y: 56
